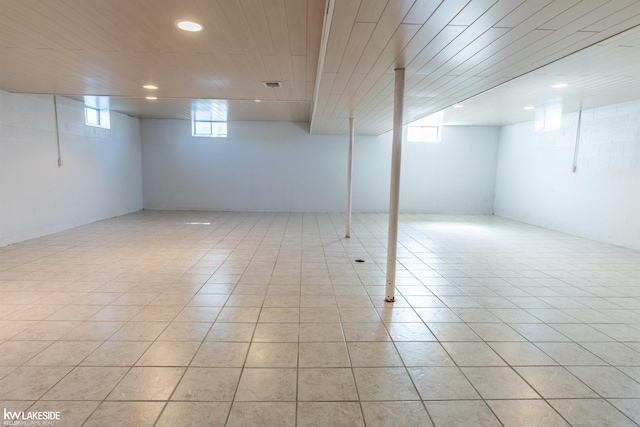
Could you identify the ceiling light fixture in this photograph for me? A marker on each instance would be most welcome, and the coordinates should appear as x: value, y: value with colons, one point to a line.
x: 528, y: 107
x: 150, y: 87
x: 257, y: 100
x: 559, y: 85
x: 151, y: 97
x: 189, y: 26
x: 458, y: 106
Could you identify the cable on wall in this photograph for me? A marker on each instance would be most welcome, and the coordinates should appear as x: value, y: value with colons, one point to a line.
x: 55, y: 110
x: 577, y: 145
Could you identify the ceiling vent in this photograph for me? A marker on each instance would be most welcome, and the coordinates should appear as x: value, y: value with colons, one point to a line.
x: 273, y: 84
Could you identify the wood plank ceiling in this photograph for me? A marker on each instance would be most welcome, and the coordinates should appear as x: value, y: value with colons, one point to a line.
x: 605, y: 74
x: 451, y: 50
x: 335, y: 59
x: 114, y: 47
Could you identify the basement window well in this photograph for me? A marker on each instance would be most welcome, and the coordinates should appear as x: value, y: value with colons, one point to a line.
x: 548, y: 117
x: 209, y: 119
x: 209, y: 128
x: 96, y: 112
x: 427, y: 129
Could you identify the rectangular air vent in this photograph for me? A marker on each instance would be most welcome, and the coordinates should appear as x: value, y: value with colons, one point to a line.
x: 273, y: 84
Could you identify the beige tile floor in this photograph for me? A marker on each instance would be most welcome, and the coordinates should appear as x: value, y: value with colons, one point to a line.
x: 205, y: 319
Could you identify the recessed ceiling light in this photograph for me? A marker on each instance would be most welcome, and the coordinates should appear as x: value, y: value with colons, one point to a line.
x: 151, y: 97
x: 560, y: 85
x: 151, y: 87
x: 257, y: 100
x: 189, y: 26
x: 529, y: 107
x: 458, y: 106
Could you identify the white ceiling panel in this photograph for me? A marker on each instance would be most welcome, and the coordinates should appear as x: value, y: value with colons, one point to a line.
x: 493, y: 55
x: 460, y: 50
x: 604, y: 74
x: 114, y: 47
x: 168, y: 108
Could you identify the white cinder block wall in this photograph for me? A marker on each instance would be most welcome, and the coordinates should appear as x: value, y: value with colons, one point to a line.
x: 277, y: 166
x: 280, y: 167
x: 100, y: 177
x: 601, y: 201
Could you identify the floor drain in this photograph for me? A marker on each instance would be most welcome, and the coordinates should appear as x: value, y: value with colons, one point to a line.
x: 359, y: 260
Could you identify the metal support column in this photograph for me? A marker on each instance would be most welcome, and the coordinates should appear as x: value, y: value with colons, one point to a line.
x: 349, y: 173
x: 394, y: 199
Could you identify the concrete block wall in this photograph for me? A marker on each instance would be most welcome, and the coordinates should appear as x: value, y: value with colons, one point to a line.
x: 600, y: 201
x: 100, y: 177
x: 455, y: 176
x: 271, y: 166
x: 280, y: 167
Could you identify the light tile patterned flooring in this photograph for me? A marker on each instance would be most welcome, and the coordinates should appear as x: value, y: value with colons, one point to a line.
x: 202, y: 318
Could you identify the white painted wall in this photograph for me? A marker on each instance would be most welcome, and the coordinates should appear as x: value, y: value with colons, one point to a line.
x: 601, y: 201
x: 100, y: 178
x: 276, y: 166
x: 455, y: 176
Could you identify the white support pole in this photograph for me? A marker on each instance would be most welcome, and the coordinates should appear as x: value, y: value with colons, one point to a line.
x: 349, y: 176
x: 394, y: 199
